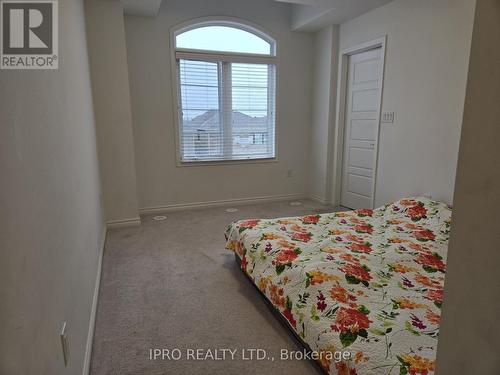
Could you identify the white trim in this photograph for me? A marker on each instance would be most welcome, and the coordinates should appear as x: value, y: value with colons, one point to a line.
x: 219, y: 203
x: 341, y: 103
x: 198, y: 163
x: 93, y: 311
x: 114, y: 224
x: 191, y: 54
x: 375, y: 43
x: 332, y: 115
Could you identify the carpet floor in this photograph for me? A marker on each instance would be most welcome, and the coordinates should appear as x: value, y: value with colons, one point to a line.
x: 171, y: 285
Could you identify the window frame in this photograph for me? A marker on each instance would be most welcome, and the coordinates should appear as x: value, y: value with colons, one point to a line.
x: 236, y: 57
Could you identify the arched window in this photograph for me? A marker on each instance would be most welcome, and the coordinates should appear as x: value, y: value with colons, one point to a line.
x: 224, y: 39
x: 226, y: 92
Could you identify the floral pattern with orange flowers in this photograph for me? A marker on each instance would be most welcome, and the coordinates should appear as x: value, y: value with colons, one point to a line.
x: 417, y: 212
x: 303, y: 237
x: 416, y: 365
x: 340, y: 294
x: 350, y: 323
x: 310, y: 219
x: 366, y: 281
x: 361, y: 248
x: 318, y: 277
x: 364, y: 212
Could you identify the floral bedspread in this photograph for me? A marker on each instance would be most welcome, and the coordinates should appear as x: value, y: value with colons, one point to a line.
x: 367, y: 281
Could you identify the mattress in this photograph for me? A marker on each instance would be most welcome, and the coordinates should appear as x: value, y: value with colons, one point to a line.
x: 366, y: 282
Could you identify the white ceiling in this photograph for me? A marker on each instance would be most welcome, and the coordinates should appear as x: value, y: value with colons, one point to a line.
x: 304, y: 2
x: 147, y: 8
x: 307, y: 15
x: 310, y: 15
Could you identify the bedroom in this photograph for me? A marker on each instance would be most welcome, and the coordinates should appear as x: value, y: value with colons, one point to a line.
x: 166, y: 125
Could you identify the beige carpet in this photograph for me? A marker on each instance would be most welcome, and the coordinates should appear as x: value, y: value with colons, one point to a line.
x: 170, y: 284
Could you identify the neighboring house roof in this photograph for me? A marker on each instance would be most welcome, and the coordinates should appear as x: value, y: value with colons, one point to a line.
x: 241, y: 122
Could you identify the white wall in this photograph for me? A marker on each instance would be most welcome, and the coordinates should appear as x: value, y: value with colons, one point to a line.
x: 160, y: 181
x: 468, y: 337
x: 111, y: 93
x: 323, y: 111
x: 50, y: 212
x: 428, y: 45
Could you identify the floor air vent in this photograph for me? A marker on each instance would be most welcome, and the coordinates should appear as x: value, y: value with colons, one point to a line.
x: 159, y: 218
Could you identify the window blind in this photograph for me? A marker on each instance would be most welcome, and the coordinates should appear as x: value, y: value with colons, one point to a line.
x: 227, y: 110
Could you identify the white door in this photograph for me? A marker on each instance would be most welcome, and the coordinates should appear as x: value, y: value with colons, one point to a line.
x: 364, y: 86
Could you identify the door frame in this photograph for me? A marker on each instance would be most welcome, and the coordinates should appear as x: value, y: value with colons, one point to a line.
x: 338, y: 163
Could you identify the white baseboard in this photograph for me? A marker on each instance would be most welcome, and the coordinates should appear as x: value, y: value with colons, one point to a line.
x: 318, y: 199
x: 90, y: 335
x: 113, y: 224
x: 220, y: 203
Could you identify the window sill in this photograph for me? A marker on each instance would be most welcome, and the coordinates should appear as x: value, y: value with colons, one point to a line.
x: 201, y: 163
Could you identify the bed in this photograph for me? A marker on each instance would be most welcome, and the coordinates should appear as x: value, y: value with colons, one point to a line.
x: 366, y: 282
